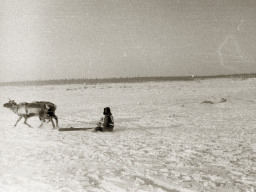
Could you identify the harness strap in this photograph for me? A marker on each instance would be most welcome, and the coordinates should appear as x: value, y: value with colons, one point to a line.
x: 26, y: 108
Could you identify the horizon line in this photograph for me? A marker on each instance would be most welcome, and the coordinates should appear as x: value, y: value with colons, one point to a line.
x: 121, y: 79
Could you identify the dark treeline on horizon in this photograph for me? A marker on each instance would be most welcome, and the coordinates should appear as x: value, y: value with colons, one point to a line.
x: 121, y: 80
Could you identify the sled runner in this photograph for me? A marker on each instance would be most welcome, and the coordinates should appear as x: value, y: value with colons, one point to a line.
x: 75, y: 129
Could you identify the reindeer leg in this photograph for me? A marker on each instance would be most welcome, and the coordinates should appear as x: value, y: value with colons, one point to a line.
x: 56, y: 119
x: 42, y: 122
x: 17, y: 121
x: 48, y: 121
x: 53, y: 125
x: 45, y: 120
x: 25, y: 122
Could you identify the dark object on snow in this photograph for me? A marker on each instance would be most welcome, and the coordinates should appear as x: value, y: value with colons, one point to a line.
x: 223, y: 100
x: 207, y: 102
x: 106, y: 123
x: 75, y: 129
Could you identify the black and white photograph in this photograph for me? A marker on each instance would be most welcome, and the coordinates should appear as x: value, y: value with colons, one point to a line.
x: 127, y: 95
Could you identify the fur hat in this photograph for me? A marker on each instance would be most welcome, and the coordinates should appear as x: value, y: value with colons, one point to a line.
x: 107, y: 111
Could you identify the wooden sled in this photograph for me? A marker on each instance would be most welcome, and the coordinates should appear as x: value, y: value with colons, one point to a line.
x: 75, y: 129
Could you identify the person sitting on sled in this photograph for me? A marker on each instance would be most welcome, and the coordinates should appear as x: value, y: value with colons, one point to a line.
x: 106, y: 123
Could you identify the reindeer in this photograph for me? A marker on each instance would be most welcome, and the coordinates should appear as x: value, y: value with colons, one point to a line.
x: 51, y: 111
x: 44, y: 110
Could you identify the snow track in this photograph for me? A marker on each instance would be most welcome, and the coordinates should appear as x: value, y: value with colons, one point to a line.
x: 164, y: 139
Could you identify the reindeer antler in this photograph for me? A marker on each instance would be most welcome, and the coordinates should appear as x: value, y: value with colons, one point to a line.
x: 10, y: 100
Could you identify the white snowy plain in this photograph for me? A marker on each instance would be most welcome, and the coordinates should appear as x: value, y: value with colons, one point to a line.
x: 164, y: 138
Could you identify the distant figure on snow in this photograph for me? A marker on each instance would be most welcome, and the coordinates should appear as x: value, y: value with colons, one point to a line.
x: 106, y: 123
x: 207, y: 102
x: 223, y: 100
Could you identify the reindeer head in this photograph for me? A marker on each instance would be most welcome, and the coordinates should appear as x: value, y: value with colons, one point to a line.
x: 10, y: 104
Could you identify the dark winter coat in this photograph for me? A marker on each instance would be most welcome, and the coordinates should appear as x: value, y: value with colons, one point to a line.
x: 106, y: 123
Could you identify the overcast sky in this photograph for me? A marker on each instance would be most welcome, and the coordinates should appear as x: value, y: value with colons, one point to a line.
x: 62, y: 39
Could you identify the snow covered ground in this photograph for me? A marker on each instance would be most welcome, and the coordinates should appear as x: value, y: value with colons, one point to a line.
x: 164, y: 139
